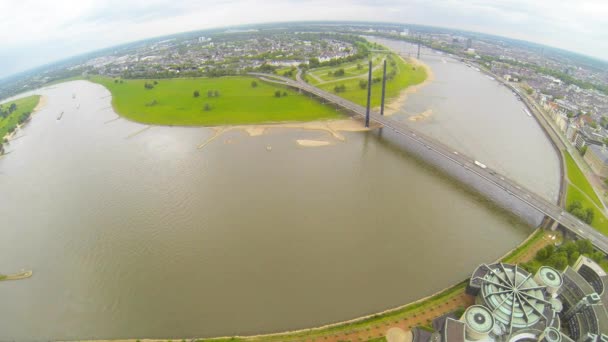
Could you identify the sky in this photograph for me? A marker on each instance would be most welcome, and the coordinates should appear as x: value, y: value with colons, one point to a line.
x: 37, y: 32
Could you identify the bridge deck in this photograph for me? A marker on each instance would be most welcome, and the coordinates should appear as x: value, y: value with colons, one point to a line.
x: 533, y: 200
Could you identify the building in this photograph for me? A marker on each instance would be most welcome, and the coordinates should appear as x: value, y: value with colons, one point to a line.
x: 550, y: 306
x: 597, y: 158
x: 585, y: 298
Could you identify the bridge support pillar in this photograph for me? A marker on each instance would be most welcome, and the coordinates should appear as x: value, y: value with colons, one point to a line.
x: 554, y: 226
x: 369, y: 93
x: 383, y: 88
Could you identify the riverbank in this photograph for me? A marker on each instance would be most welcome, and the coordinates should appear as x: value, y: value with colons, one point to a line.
x: 397, y: 103
x: 401, y: 76
x: 15, y: 118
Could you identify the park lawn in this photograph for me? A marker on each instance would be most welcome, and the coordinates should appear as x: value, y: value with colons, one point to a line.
x: 282, y: 71
x: 576, y: 176
x: 24, y: 105
x: 238, y: 102
x: 350, y: 70
x: 406, y: 75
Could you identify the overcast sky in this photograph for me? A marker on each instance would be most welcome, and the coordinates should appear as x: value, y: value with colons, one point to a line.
x: 35, y: 32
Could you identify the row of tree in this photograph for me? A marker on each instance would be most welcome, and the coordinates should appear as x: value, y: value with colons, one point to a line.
x: 337, y: 73
x: 210, y: 93
x: 6, y: 111
x: 10, y: 124
x: 566, y: 254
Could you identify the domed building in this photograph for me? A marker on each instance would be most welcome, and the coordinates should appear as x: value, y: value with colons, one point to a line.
x: 513, y: 305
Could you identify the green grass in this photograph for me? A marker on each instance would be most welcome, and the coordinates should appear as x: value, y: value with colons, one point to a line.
x: 282, y: 71
x: 26, y: 104
x: 350, y: 69
x: 238, y: 102
x: 406, y: 75
x: 576, y: 176
x: 523, y: 248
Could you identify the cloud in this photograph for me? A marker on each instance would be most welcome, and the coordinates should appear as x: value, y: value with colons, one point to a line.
x: 35, y: 31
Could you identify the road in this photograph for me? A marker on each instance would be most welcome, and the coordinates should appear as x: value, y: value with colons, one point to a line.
x: 514, y: 189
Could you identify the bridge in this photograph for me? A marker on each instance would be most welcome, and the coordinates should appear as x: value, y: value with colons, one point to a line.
x: 547, y: 208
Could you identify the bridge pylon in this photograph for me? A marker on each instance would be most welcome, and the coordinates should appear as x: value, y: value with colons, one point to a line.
x: 383, y: 88
x: 369, y: 94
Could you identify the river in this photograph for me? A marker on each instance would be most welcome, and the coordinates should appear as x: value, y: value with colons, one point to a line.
x: 135, y: 232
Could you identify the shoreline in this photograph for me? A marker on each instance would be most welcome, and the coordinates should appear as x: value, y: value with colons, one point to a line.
x: 397, y: 103
x: 42, y: 100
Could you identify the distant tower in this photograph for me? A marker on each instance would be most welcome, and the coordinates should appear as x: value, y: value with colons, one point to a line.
x: 469, y: 43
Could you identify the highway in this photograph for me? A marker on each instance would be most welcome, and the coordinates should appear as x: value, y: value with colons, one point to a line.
x: 565, y: 219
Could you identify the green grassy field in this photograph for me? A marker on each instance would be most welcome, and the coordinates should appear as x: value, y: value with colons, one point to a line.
x: 286, y: 71
x: 576, y: 176
x: 24, y: 105
x: 171, y: 102
x: 406, y: 75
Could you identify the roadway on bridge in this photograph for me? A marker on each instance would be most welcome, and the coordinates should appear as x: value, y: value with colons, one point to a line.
x: 568, y: 221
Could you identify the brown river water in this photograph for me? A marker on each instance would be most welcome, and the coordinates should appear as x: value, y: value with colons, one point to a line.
x: 145, y: 235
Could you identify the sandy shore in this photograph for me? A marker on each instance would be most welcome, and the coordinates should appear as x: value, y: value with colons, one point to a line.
x: 41, y: 103
x: 333, y: 127
x: 422, y: 116
x: 393, y: 106
x: 312, y: 143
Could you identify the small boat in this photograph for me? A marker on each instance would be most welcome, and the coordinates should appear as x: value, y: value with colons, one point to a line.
x: 60, y: 116
x: 527, y: 112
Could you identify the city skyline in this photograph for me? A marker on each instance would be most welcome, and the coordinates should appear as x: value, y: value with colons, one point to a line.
x: 62, y: 29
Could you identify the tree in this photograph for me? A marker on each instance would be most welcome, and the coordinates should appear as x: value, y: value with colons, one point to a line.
x: 584, y: 246
x: 254, y: 84
x: 12, y: 108
x: 589, y: 215
x: 362, y: 84
x: 207, y: 107
x: 583, y: 150
x: 216, y: 93
x: 574, y: 205
x: 155, y: 82
x: 314, y: 62
x: 196, y: 93
x: 359, y: 66
x: 277, y: 93
x: 284, y: 93
x: 210, y: 93
x: 340, y: 88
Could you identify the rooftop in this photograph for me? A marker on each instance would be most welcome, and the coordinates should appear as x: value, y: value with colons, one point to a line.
x: 600, y: 151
